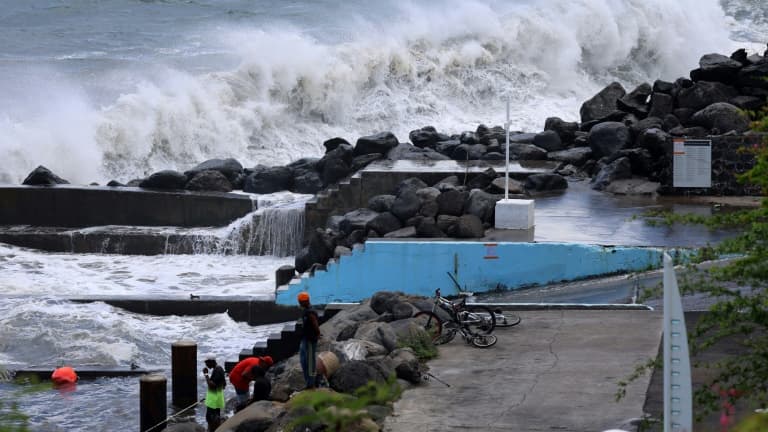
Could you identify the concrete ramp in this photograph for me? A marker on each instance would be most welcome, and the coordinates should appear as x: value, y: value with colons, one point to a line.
x: 556, y: 371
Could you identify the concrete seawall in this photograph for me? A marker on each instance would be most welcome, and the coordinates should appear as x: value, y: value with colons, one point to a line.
x: 418, y: 267
x: 72, y: 206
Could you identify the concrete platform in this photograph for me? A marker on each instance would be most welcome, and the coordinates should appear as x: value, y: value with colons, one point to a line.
x: 557, y: 370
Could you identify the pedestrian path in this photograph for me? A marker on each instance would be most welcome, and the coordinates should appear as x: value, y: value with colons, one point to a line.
x: 556, y: 371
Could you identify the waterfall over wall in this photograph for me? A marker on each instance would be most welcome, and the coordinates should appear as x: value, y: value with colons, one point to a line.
x: 275, y: 230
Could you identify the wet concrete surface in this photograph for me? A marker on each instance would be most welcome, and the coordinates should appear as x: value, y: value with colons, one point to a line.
x: 580, y: 214
x: 557, y: 370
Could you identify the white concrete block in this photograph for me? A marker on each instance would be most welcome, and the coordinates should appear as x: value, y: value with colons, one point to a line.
x: 514, y: 214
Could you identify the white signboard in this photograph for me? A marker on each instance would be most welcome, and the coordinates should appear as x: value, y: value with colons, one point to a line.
x: 692, y: 163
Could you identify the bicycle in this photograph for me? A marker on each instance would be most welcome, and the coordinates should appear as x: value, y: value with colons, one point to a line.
x: 475, y: 323
x: 502, y: 320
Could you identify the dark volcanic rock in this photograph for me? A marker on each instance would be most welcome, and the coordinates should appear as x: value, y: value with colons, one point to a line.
x: 362, y: 161
x: 229, y: 167
x: 379, y: 143
x: 749, y: 103
x: 721, y: 116
x: 405, y: 232
x: 602, y: 103
x: 716, y: 67
x: 426, y: 137
x: 357, y: 220
x: 42, y: 176
x: 469, y: 226
x: 381, y: 203
x: 269, y: 180
x: 661, y: 105
x: 406, y: 204
x: 703, y: 94
x: 411, y: 183
x: 405, y: 151
x: 545, y: 182
x: 354, y: 374
x: 576, y: 156
x: 451, y: 202
x: 607, y: 138
x: 654, y: 140
x: 307, y: 182
x: 526, y: 152
x: 384, y: 223
x: 427, y: 228
x: 333, y: 143
x: 209, y: 180
x: 167, y: 179
x: 754, y: 76
x: 468, y: 152
x: 565, y: 130
x: 481, y: 204
x: 663, y: 87
x: 619, y: 169
x: 335, y: 169
x: 548, y: 140
x: 636, y: 101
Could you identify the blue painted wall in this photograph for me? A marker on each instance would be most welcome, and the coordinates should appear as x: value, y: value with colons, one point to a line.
x: 420, y: 267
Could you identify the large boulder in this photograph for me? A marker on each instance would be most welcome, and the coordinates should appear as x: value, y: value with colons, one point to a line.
x: 716, y: 67
x: 353, y: 375
x: 603, y: 103
x: 384, y: 223
x: 381, y: 142
x: 209, y: 180
x: 526, y: 152
x: 545, y: 182
x: 42, y: 176
x: 469, y: 226
x: 703, y: 94
x: 468, y: 152
x: 405, y: 151
x: 565, y: 130
x: 754, y: 76
x: 318, y: 251
x: 307, y: 182
x: 481, y: 204
x: 446, y: 147
x: 166, y: 179
x: 269, y: 180
x: 608, y: 138
x: 405, y: 232
x: 335, y: 169
x: 521, y: 138
x: 381, y: 203
x: 427, y: 228
x: 655, y: 140
x: 660, y: 86
x: 379, y: 333
x: 548, y: 140
x: 617, y: 170
x: 333, y: 143
x: 357, y: 220
x: 721, y: 116
x: 229, y: 167
x: 411, y: 183
x: 427, y: 136
x: 636, y: 101
x: 451, y: 202
x: 575, y: 156
x: 661, y: 105
x: 406, y: 365
x: 362, y: 161
x: 406, y: 205
x: 633, y: 186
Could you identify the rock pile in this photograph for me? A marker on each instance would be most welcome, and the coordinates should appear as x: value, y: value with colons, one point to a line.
x: 367, y: 339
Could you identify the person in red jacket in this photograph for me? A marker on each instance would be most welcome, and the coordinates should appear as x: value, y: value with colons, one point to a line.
x: 242, y: 375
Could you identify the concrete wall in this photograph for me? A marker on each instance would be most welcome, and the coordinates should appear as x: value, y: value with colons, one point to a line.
x: 71, y: 206
x: 420, y: 267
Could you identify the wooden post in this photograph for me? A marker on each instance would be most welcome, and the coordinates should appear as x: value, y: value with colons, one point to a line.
x: 153, y: 402
x: 184, y: 373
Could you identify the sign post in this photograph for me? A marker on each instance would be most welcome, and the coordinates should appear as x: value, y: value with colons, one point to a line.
x: 506, y: 167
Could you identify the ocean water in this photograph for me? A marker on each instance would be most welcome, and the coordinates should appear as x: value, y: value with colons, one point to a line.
x: 117, y: 89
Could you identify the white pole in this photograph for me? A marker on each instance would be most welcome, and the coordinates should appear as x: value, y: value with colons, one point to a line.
x: 506, y: 167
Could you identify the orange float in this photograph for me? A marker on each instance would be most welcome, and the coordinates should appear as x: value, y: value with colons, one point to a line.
x: 64, y: 375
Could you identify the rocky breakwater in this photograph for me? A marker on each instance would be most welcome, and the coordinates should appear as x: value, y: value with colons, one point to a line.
x: 370, y: 342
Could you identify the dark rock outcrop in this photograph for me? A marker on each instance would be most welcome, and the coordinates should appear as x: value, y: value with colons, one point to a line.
x: 42, y: 176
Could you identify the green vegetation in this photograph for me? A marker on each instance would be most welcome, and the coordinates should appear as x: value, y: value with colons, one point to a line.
x: 741, y: 310
x: 12, y: 419
x: 341, y: 412
x: 421, y: 344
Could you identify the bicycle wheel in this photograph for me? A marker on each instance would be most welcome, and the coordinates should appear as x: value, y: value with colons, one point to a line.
x: 484, y: 340
x: 507, y: 319
x: 480, y: 319
x: 430, y: 323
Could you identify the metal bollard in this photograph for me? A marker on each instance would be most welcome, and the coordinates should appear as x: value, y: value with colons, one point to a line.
x: 184, y: 373
x: 153, y: 402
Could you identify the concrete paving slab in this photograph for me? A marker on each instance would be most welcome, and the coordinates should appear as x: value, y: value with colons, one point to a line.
x: 557, y: 370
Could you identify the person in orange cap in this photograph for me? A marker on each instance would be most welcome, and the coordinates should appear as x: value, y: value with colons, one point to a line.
x: 64, y: 376
x: 310, y: 333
